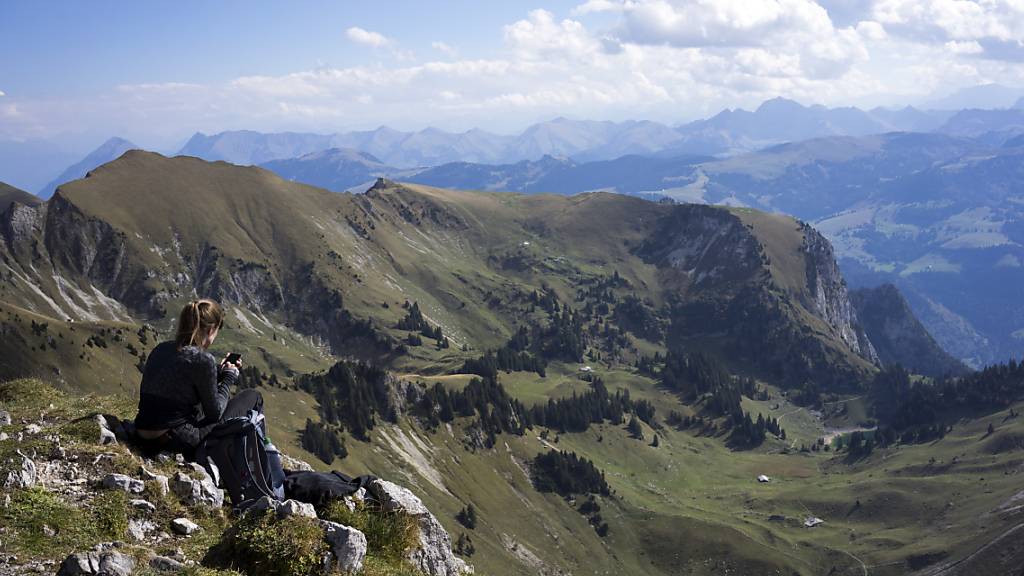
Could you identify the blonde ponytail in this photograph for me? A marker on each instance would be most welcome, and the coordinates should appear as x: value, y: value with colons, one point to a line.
x: 197, y: 319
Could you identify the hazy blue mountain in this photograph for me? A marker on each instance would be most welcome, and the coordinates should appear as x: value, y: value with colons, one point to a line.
x: 246, y: 147
x: 430, y: 146
x: 991, y: 126
x: 336, y: 169
x: 988, y: 96
x: 628, y: 174
x: 910, y: 119
x: 109, y: 150
x: 774, y: 121
x: 730, y: 132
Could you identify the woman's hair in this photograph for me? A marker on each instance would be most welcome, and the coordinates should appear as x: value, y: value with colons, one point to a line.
x: 197, y: 319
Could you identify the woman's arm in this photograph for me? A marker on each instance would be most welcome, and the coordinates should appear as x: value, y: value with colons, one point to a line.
x: 213, y: 388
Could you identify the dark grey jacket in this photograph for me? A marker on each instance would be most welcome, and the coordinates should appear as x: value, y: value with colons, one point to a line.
x: 183, y: 390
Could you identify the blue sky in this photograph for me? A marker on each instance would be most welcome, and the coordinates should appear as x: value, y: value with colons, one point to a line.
x: 76, y: 73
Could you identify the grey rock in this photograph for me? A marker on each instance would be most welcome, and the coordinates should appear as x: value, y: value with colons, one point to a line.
x: 434, y: 554
x: 5, y: 418
x: 294, y: 464
x: 201, y: 492
x: 165, y: 564
x: 107, y: 435
x: 139, y: 529
x: 162, y: 482
x: 107, y: 563
x: 295, y: 508
x: 24, y: 477
x: 348, y: 547
x: 122, y: 482
x: 184, y: 526
x: 264, y: 503
x: 3, y: 436
x: 33, y: 429
x: 144, y: 505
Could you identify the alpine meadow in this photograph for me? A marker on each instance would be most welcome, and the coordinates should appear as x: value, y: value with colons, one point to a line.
x: 651, y: 287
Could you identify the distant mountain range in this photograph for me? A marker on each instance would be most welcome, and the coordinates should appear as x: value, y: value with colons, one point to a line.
x: 729, y: 132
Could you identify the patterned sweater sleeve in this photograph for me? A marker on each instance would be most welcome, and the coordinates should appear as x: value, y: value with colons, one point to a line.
x: 213, y: 388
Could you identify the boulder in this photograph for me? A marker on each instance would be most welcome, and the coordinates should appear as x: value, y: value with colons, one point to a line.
x: 139, y: 529
x: 264, y: 503
x: 348, y: 547
x: 184, y: 526
x: 24, y: 476
x: 434, y: 554
x: 107, y: 563
x: 5, y: 418
x: 295, y: 508
x: 202, y: 492
x: 125, y: 483
x: 165, y: 564
x: 107, y: 435
x: 162, y: 484
x: 294, y: 464
x: 143, y: 505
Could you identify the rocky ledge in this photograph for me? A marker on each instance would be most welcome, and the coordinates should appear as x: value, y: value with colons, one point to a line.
x: 74, y: 500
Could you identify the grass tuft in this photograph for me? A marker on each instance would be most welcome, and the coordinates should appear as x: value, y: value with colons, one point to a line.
x: 260, y: 544
x: 388, y: 534
x: 110, y: 512
x: 33, y: 511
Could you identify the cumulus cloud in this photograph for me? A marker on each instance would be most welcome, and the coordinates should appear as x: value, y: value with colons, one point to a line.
x: 366, y: 37
x: 1001, y: 20
x: 665, y: 60
x: 444, y: 48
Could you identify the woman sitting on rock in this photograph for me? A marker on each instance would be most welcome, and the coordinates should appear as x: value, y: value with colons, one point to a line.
x: 185, y: 391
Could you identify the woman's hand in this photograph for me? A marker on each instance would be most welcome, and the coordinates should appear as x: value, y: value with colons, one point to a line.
x: 236, y: 365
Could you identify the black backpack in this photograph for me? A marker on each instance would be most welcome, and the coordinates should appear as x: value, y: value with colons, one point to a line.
x: 247, y: 465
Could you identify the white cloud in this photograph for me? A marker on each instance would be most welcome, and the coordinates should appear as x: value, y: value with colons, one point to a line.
x: 597, y: 6
x: 955, y: 19
x: 2, y: 93
x: 541, y: 37
x: 665, y: 60
x: 964, y: 47
x: 444, y: 49
x: 366, y: 37
x: 871, y: 30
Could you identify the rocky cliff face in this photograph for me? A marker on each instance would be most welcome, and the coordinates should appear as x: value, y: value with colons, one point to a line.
x: 829, y: 297
x: 709, y: 247
x: 732, y: 295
